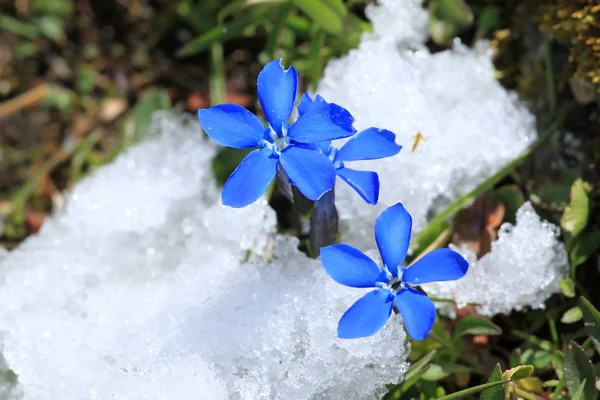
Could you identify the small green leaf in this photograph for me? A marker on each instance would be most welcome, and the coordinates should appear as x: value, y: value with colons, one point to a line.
x: 447, y: 18
x: 518, y: 372
x: 85, y: 80
x: 496, y: 392
x: 567, y: 287
x: 322, y: 14
x: 51, y: 26
x: 62, y: 8
x: 578, y: 369
x: 572, y: 315
x: 412, y: 380
x: 475, y: 326
x: 584, y: 246
x: 576, y: 214
x: 591, y: 318
x: 442, y: 370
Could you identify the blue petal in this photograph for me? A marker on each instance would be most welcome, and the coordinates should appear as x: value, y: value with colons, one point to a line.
x: 232, y: 126
x: 366, y: 183
x: 367, y: 316
x: 250, y: 179
x: 306, y: 103
x: 308, y: 169
x: 369, y: 144
x: 321, y: 124
x: 439, y: 265
x: 349, y: 266
x: 277, y: 93
x: 392, y: 233
x: 417, y: 310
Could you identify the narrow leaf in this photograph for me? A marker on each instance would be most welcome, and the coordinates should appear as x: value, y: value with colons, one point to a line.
x: 325, y: 17
x: 137, y: 123
x: 591, y: 318
x: 496, y: 392
x: 251, y: 19
x: 475, y: 326
x: 572, y: 315
x: 420, y: 365
x: 578, y: 369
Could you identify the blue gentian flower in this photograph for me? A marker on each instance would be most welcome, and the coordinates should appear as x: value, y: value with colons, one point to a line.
x: 370, y: 144
x: 292, y: 146
x: 394, y: 283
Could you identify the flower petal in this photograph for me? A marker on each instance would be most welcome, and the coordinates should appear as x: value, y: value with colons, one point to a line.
x: 392, y: 233
x: 369, y: 144
x: 367, y: 316
x: 306, y: 103
x: 439, y: 265
x: 308, y: 169
x: 366, y: 183
x: 250, y: 179
x: 232, y: 126
x: 349, y: 266
x: 322, y: 123
x: 277, y: 93
x: 417, y: 310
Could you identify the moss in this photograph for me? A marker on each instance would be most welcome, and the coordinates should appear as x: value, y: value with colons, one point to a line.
x: 577, y: 24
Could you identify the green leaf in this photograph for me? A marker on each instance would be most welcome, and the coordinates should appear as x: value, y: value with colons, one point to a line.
x: 85, y: 80
x: 235, y: 7
x: 412, y: 380
x: 591, y: 318
x: 475, y: 326
x: 489, y: 20
x: 518, y: 372
x: 61, y: 8
x: 567, y: 287
x: 496, y: 392
x: 577, y: 369
x: 10, y: 24
x: 447, y: 18
x: 584, y: 246
x: 246, y: 21
x: 138, y: 121
x: 322, y: 14
x: 572, y: 315
x: 51, y: 26
x: 576, y: 214
x: 442, y: 370
x: 420, y: 365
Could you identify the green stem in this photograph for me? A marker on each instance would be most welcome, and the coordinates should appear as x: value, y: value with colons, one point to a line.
x: 524, y: 394
x: 472, y: 390
x: 553, y: 331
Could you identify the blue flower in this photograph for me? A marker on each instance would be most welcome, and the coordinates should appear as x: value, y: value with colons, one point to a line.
x: 370, y: 144
x: 291, y: 146
x: 351, y: 267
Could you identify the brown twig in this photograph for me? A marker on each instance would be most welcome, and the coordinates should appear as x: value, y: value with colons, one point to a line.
x: 26, y: 99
